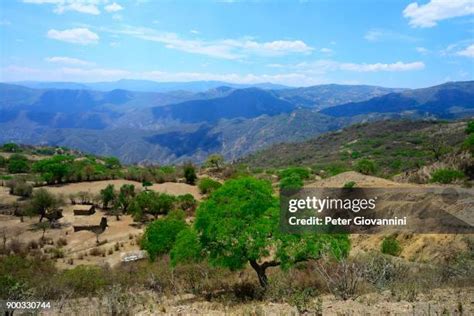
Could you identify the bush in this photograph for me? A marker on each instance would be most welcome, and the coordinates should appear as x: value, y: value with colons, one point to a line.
x: 446, y: 175
x: 207, y: 185
x: 469, y: 143
x: 190, y: 174
x: 18, y: 164
x: 186, y: 202
x: 366, y: 166
x: 84, y: 280
x: 292, y: 182
x: 160, y: 235
x: 391, y: 246
x: 349, y: 185
x: 470, y: 127
x: 301, y: 172
x: 20, y: 188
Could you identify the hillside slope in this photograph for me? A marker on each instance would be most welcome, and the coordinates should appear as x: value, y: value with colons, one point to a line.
x: 449, y: 100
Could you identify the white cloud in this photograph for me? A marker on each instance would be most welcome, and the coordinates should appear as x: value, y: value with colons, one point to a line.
x: 225, y: 49
x: 323, y: 66
x: 113, y: 7
x: 18, y: 73
x: 326, y: 50
x: 428, y: 15
x: 422, y: 50
x: 68, y: 61
x: 378, y: 35
x: 467, y: 52
x: 81, y: 6
x: 398, y: 66
x: 82, y: 36
x: 194, y: 31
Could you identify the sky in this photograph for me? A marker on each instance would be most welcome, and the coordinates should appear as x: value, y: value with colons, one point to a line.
x: 390, y: 43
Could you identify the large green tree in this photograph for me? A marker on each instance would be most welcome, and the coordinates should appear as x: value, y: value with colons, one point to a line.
x: 239, y: 225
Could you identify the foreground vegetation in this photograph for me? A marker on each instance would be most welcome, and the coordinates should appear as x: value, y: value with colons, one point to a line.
x: 227, y: 247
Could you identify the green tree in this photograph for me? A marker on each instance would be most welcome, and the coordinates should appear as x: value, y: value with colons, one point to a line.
x: 160, y: 235
x: 214, y: 161
x: 125, y: 196
x: 112, y: 163
x: 187, y: 248
x: 18, y: 164
x: 43, y: 202
x: 190, y: 174
x: 54, y: 169
x: 366, y: 166
x: 239, y: 224
x: 107, y: 195
x: 11, y: 148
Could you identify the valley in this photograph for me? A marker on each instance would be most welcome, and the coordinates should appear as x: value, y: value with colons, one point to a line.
x: 176, y: 126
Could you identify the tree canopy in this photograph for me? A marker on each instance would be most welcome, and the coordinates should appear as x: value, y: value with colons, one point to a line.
x: 238, y: 224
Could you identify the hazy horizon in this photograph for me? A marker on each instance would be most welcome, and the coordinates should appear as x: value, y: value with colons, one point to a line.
x: 407, y: 44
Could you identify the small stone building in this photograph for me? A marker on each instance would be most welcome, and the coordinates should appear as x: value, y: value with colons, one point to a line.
x: 80, y: 209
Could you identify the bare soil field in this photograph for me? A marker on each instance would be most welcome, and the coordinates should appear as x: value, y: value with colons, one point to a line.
x: 81, y: 248
x: 94, y: 187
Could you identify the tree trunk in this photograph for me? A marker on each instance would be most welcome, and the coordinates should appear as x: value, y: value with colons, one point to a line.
x: 261, y: 269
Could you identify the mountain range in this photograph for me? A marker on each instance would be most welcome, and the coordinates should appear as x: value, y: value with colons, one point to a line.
x: 145, y: 124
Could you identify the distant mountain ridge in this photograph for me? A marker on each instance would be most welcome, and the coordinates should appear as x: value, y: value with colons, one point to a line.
x: 177, y: 126
x: 145, y: 85
x: 448, y: 100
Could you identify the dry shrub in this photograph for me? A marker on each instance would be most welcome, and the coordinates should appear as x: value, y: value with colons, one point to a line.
x: 343, y: 278
x: 247, y: 291
x: 17, y: 247
x: 56, y: 253
x: 61, y: 242
x: 97, y: 252
x: 33, y: 244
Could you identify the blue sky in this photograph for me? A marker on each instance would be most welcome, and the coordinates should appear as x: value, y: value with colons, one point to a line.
x: 297, y: 43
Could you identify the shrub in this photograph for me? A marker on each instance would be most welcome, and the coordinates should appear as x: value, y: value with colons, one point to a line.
x: 366, y: 166
x: 160, y: 235
x: 186, y: 202
x: 292, y: 182
x: 18, y: 164
x: 208, y: 185
x: 190, y: 174
x: 349, y: 185
x: 84, y: 280
x: 19, y: 187
x: 301, y: 172
x: 214, y: 161
x: 391, y: 246
x: 469, y: 143
x: 470, y: 127
x: 446, y: 175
